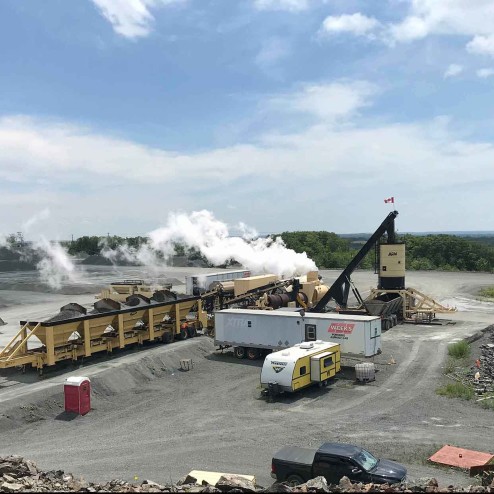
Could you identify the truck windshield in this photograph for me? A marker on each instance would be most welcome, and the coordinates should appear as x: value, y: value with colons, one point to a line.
x: 366, y: 460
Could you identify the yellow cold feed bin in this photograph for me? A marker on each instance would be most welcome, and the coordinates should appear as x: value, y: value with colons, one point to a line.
x: 73, y: 333
x: 300, y: 366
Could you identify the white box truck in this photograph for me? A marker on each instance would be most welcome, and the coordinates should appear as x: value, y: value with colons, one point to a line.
x: 253, y: 332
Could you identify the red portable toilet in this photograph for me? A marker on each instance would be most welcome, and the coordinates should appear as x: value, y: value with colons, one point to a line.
x: 77, y: 392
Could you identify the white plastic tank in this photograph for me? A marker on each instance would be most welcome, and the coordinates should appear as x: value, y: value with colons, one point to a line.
x: 365, y: 372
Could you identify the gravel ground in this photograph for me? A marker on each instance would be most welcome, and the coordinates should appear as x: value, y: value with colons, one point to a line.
x: 151, y: 420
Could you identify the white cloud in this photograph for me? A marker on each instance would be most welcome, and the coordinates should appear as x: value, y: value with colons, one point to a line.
x: 356, y: 24
x: 453, y: 70
x: 412, y: 28
x: 328, y: 102
x: 424, y: 18
x: 460, y: 17
x: 485, y: 72
x: 272, y: 51
x: 336, y: 151
x: 482, y: 45
x: 34, y: 150
x: 131, y: 18
x: 289, y: 5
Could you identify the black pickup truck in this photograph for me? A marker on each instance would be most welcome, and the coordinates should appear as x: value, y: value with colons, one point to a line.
x: 333, y: 461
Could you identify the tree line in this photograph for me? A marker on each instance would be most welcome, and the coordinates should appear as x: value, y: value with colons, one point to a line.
x: 94, y: 245
x: 330, y: 251
x: 423, y: 252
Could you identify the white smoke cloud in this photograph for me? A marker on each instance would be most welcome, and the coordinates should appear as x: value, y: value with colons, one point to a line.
x: 55, y: 267
x: 144, y: 255
x: 199, y: 230
x: 202, y: 231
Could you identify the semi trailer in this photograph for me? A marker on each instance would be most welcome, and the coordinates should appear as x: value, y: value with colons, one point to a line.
x: 252, y: 333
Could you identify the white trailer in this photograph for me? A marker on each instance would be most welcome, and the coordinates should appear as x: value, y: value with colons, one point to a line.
x: 252, y: 332
x: 300, y: 366
x: 200, y: 283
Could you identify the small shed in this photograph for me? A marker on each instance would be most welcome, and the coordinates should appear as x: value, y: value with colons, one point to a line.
x: 461, y: 458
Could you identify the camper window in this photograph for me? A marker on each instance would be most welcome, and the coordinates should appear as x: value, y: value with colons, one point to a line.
x: 303, y: 370
x: 328, y: 362
x: 310, y: 332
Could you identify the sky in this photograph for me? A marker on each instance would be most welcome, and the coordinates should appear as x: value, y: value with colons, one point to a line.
x: 282, y: 115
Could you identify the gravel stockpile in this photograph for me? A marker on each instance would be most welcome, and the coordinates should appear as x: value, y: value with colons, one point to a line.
x: 487, y: 356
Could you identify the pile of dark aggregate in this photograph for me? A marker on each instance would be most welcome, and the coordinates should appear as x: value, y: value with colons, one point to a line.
x: 487, y: 356
x: 20, y: 475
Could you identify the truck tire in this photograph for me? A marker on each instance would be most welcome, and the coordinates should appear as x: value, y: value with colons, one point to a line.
x: 293, y: 480
x: 191, y: 330
x: 239, y: 352
x: 253, y: 353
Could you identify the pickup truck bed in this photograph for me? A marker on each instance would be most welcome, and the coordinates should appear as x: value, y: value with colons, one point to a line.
x: 301, y: 457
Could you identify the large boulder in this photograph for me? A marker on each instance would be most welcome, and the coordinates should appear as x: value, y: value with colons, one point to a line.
x: 231, y: 482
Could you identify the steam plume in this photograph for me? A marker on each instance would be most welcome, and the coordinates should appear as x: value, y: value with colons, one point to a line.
x: 55, y: 267
x: 202, y: 231
x: 40, y: 216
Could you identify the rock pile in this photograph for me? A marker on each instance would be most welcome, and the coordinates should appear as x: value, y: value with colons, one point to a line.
x: 487, y: 357
x: 20, y: 475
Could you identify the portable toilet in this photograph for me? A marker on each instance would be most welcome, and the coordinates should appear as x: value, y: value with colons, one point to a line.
x: 77, y: 394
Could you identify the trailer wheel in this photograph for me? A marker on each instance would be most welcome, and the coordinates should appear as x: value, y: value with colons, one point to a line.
x: 183, y: 335
x: 239, y: 352
x: 167, y: 337
x: 252, y: 353
x: 293, y: 480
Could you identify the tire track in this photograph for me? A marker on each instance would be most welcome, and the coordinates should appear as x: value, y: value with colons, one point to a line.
x: 395, y: 379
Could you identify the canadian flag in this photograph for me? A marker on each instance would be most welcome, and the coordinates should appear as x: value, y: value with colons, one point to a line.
x: 390, y: 199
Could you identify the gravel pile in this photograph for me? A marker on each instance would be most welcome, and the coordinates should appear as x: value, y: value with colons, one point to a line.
x: 63, y: 315
x: 487, y: 356
x: 20, y: 475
